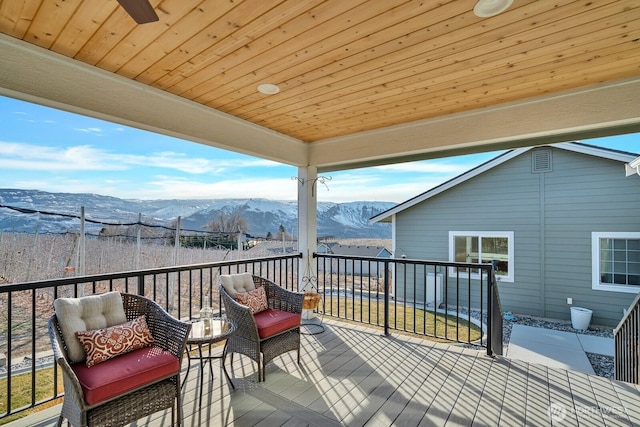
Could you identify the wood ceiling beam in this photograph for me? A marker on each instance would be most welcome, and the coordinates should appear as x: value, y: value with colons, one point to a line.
x: 40, y: 76
x: 590, y: 112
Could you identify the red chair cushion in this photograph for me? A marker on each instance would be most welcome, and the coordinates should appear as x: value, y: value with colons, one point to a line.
x: 271, y: 322
x: 125, y: 373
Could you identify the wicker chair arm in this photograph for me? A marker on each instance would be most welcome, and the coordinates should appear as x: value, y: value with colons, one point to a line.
x: 241, y: 315
x: 169, y: 333
x: 282, y: 299
x: 73, y: 393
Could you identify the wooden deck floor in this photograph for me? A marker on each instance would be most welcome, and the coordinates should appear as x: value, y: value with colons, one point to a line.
x: 354, y: 376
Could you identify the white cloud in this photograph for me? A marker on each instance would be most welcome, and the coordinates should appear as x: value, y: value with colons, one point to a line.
x: 393, y: 192
x: 91, y: 130
x: 22, y: 156
x: 270, y: 188
x: 49, y: 159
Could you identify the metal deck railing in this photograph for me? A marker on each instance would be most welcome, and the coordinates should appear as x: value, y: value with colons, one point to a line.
x: 627, y: 344
x: 451, y: 301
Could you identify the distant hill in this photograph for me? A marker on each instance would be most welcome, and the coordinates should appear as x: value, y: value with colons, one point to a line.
x: 342, y: 220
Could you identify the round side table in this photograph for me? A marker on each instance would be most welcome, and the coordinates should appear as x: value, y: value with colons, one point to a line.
x: 220, y: 330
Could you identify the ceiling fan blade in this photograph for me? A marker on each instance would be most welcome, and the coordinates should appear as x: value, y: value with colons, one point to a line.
x: 140, y: 10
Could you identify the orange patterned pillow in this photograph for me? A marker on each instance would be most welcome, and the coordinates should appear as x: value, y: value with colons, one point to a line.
x: 104, y: 344
x: 256, y: 300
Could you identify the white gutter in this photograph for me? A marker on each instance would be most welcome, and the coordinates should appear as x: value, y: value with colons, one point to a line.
x: 633, y: 167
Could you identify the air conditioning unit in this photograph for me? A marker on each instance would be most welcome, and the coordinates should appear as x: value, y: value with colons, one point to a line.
x: 434, y: 289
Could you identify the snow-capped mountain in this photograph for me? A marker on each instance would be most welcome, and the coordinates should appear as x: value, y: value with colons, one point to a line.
x: 263, y: 216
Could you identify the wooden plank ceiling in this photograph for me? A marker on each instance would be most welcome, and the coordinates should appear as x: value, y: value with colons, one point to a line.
x: 343, y: 66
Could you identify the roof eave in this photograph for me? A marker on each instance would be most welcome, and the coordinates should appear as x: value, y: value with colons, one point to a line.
x: 577, y: 147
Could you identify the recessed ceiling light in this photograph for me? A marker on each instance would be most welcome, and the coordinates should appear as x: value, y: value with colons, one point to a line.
x: 268, y: 89
x: 487, y: 8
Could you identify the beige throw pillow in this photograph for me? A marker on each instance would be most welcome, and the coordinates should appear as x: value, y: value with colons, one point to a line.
x: 85, y: 314
x: 234, y: 283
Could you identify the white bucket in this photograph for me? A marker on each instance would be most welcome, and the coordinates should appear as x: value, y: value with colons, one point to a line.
x: 580, y: 317
x: 308, y: 314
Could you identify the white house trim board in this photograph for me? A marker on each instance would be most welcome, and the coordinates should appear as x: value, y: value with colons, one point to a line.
x: 581, y: 113
x: 496, y: 161
x: 595, y: 261
x: 592, y: 150
x: 37, y: 75
x: 633, y: 167
x: 385, y: 216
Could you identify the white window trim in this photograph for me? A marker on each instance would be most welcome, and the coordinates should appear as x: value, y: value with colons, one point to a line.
x: 511, y: 245
x: 595, y: 261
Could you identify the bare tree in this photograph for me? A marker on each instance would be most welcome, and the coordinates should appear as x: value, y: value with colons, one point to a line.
x: 225, y: 223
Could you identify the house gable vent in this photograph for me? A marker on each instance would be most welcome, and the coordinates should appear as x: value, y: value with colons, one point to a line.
x: 541, y: 161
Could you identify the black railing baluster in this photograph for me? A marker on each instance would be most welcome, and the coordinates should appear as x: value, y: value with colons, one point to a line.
x: 55, y: 363
x: 9, y: 352
x: 415, y: 293
x: 368, y: 287
x: 140, y: 290
x: 33, y: 347
x: 457, y: 296
x: 166, y: 292
x: 627, y: 344
x: 490, y: 322
x: 354, y: 290
x: 338, y: 293
x: 386, y: 299
x: 425, y: 301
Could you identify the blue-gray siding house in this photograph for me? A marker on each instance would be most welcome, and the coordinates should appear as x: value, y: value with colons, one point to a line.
x: 561, y: 221
x: 365, y: 268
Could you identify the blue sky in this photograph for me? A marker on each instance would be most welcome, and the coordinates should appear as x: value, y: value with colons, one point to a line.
x: 46, y: 149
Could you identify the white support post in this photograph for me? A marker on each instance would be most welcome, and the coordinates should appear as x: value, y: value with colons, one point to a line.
x: 307, y: 221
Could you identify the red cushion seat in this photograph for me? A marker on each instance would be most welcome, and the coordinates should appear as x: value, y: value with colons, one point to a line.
x: 124, y: 373
x: 271, y: 322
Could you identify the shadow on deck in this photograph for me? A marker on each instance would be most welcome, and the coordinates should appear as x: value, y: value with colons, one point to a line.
x: 353, y: 376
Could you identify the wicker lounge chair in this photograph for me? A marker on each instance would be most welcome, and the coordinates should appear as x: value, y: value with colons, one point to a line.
x: 127, y: 398
x: 266, y: 334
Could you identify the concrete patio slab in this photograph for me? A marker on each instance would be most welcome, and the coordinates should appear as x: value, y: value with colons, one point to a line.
x: 555, y: 349
x: 597, y: 345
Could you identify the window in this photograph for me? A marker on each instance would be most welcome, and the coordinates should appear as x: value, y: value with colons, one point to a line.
x: 483, y: 247
x: 615, y: 261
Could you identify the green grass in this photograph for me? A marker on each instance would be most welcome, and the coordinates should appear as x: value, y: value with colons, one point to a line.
x: 405, y: 319
x: 21, y: 393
